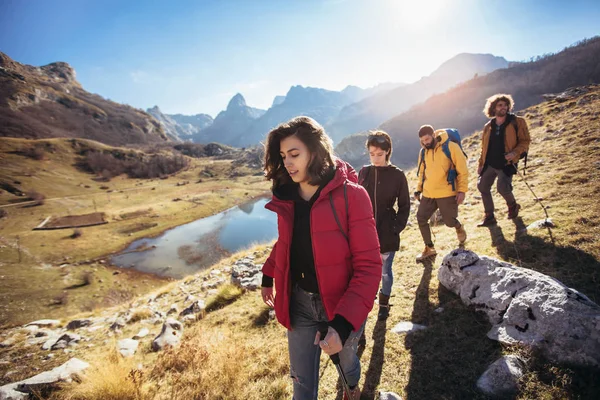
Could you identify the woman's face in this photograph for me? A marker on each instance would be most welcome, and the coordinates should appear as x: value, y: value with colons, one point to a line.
x: 296, y: 157
x: 378, y: 156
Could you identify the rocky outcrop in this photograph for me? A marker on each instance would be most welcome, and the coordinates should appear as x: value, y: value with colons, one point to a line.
x: 48, y: 101
x: 526, y: 307
x: 21, y: 390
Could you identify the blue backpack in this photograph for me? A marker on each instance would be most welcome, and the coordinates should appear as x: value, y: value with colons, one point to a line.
x: 453, y: 136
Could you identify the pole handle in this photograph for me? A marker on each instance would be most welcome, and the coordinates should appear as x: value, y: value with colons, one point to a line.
x: 323, y: 328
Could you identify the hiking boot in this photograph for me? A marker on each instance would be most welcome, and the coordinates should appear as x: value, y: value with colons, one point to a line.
x: 461, y: 234
x: 513, y: 210
x: 384, y: 307
x: 488, y: 220
x: 428, y: 252
x: 354, y: 394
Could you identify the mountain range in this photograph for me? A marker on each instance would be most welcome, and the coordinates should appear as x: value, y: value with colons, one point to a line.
x: 48, y: 101
x: 461, y: 107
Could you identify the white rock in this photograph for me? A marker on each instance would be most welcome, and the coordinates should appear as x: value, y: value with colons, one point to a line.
x: 127, y: 347
x: 173, y: 309
x: 502, y: 377
x: 45, y: 322
x: 542, y: 223
x: 65, y: 372
x: 526, y: 307
x: 142, y: 333
x: 170, y: 336
x: 407, y: 327
x: 389, y: 396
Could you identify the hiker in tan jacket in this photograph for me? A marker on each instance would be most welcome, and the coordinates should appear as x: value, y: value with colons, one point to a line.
x: 505, y: 139
x: 434, y: 191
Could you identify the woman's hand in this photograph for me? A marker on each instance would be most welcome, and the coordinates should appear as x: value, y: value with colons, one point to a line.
x: 332, y: 343
x: 267, y: 296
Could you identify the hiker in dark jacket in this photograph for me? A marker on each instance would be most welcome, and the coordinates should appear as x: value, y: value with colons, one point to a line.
x: 504, y: 140
x: 386, y: 185
x: 325, y: 263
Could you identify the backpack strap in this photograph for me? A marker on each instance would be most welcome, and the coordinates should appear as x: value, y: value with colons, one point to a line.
x: 515, y: 124
x: 337, y: 220
x: 422, y: 161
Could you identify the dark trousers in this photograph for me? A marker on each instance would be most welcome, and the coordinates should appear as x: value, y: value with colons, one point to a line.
x: 449, y: 209
x: 504, y: 186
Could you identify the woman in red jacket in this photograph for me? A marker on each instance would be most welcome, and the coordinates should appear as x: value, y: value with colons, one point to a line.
x: 325, y: 263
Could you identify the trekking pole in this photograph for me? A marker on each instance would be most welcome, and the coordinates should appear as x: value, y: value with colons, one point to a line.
x: 323, y: 327
x: 530, y: 189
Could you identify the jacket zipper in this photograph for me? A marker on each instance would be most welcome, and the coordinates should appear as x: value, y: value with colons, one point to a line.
x: 375, y: 196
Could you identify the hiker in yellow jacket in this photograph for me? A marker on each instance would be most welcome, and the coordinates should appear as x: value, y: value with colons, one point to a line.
x: 434, y: 191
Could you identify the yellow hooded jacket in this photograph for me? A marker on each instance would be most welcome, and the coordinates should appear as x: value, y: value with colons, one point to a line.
x: 433, y: 173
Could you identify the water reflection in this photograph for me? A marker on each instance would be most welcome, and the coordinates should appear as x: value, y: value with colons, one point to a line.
x: 189, y: 248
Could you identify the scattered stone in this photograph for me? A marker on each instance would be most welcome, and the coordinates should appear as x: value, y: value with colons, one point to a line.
x: 389, y: 396
x: 196, y: 307
x: 439, y: 310
x: 502, y: 377
x: 173, y: 309
x: 170, y: 335
x: 142, y: 333
x: 246, y: 274
x: 118, y: 324
x: 189, y: 298
x: 526, y: 307
x: 407, y: 327
x: 127, y: 347
x: 21, y: 390
x: 50, y: 323
x: 64, y: 340
x: 78, y: 323
x: 542, y: 223
x: 7, y: 343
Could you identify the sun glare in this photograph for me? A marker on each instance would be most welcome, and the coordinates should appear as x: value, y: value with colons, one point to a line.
x: 417, y: 15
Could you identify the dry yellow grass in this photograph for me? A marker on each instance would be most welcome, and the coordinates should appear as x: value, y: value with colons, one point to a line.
x: 237, y: 352
x: 31, y: 276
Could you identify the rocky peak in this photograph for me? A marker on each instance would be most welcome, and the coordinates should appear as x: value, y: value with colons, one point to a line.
x: 61, y: 71
x: 236, y: 102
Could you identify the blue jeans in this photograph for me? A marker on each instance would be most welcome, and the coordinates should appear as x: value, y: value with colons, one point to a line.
x: 387, y: 276
x: 306, y: 313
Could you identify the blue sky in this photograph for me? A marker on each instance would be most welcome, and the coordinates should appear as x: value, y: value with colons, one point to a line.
x: 192, y: 56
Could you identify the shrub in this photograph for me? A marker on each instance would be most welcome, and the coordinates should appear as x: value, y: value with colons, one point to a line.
x: 37, y: 197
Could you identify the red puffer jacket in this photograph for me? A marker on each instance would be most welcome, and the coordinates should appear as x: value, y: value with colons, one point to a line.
x: 348, y: 272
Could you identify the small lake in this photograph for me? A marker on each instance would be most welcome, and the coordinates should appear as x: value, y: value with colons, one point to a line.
x: 189, y: 248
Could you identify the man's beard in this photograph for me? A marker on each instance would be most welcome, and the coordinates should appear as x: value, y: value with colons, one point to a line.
x: 430, y: 145
x: 501, y: 113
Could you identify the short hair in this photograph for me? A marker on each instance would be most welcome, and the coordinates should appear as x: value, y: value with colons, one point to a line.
x: 312, y: 134
x: 426, y: 130
x: 382, y: 140
x: 490, y: 105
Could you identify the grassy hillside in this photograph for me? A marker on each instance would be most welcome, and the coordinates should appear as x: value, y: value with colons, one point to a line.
x: 237, y: 352
x: 37, y: 266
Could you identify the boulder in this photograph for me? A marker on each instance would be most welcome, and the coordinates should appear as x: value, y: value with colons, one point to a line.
x: 501, y: 379
x: 170, y: 335
x: 526, y: 307
x: 21, y: 390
